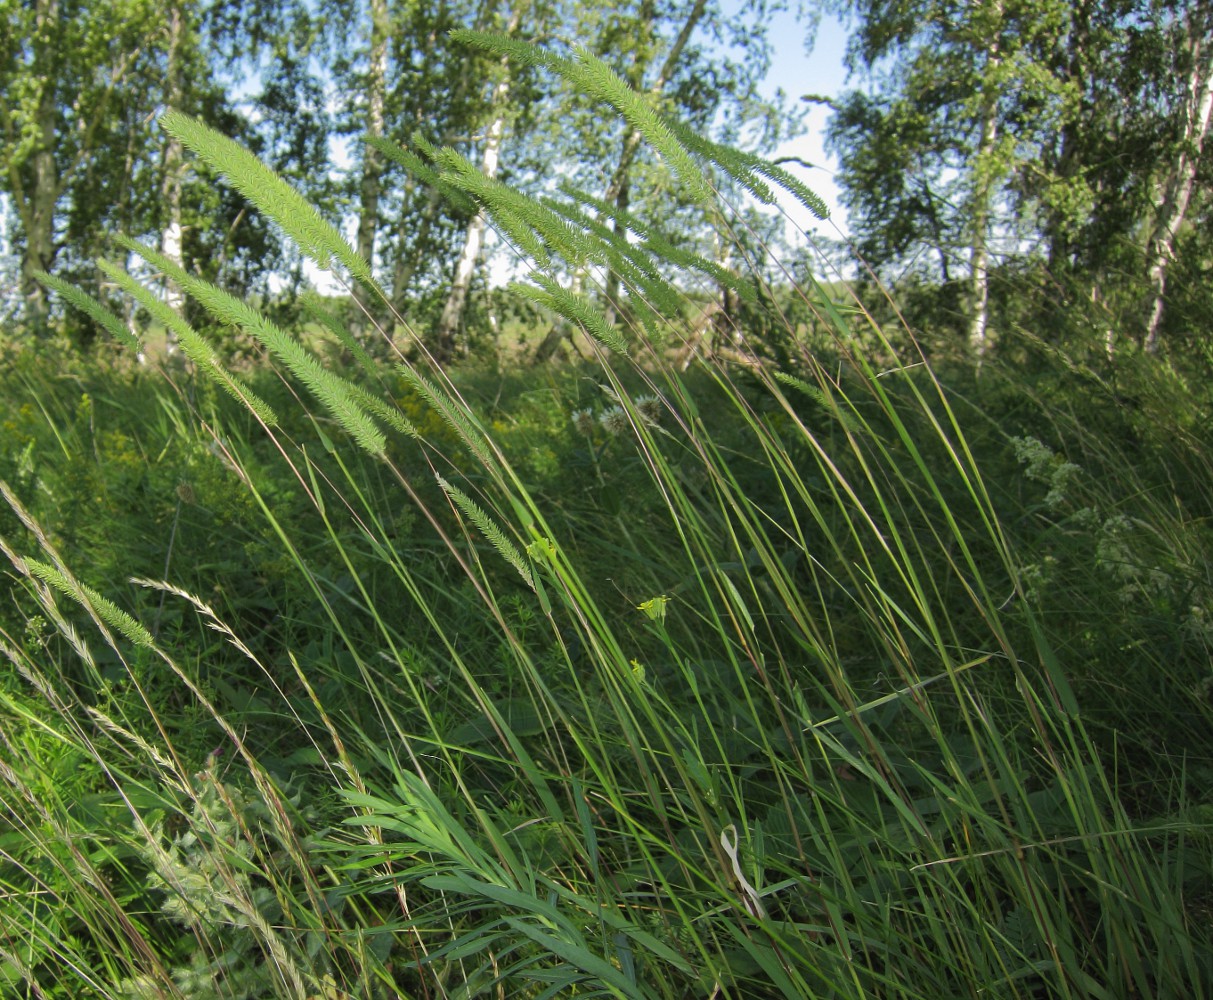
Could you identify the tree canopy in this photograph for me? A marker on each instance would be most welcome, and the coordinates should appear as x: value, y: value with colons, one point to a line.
x: 1062, y: 138
x: 348, y: 100
x: 990, y: 149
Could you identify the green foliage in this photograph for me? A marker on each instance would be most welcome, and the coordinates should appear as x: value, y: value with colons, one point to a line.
x: 1045, y: 135
x: 846, y: 675
x: 94, y: 310
x: 316, y: 238
x: 591, y: 76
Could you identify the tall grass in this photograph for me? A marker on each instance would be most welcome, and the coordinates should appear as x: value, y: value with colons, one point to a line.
x: 737, y: 680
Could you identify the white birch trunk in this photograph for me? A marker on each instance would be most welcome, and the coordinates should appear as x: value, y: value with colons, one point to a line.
x: 979, y: 321
x: 1176, y: 192
x: 174, y: 165
x: 368, y: 219
x: 473, y: 241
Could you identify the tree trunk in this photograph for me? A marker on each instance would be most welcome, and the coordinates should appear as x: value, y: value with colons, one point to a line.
x: 174, y: 168
x: 39, y: 224
x: 456, y: 304
x: 617, y: 187
x: 126, y: 199
x: 983, y: 187
x: 406, y: 264
x: 1176, y: 191
x: 611, y: 291
x: 727, y: 322
x: 37, y: 209
x: 372, y: 166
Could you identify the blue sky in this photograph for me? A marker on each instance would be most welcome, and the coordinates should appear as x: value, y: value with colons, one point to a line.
x: 798, y: 72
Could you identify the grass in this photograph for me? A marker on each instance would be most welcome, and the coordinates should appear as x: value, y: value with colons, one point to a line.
x: 840, y: 673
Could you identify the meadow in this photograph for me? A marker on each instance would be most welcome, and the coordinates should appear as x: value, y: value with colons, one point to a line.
x: 829, y: 663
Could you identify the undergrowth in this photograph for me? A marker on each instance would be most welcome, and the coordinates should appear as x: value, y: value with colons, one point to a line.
x: 808, y: 669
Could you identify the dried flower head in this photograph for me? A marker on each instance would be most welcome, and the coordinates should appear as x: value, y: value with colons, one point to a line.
x: 615, y: 421
x: 650, y: 408
x: 583, y: 420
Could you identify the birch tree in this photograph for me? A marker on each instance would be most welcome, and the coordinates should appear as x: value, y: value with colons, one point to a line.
x: 174, y: 165
x: 65, y: 67
x: 1073, y: 133
x: 372, y: 167
x: 452, y: 314
x: 1178, y: 178
x: 80, y: 154
x: 960, y: 106
x: 522, y: 113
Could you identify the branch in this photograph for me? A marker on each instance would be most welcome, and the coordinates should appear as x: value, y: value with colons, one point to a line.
x: 829, y: 102
x: 16, y: 185
x: 88, y: 131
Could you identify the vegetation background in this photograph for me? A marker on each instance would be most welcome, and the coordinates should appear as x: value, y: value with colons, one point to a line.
x: 678, y: 620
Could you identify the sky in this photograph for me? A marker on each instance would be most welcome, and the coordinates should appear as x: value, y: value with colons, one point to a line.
x: 798, y: 72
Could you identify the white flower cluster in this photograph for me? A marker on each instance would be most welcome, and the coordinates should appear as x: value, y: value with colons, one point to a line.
x: 1044, y: 465
x: 615, y: 421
